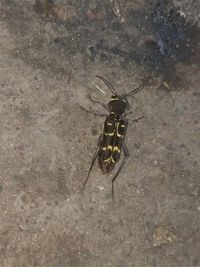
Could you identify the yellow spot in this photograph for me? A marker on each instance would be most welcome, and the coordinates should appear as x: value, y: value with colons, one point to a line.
x: 114, y: 98
x: 108, y: 123
x: 122, y: 125
x: 116, y: 148
x: 109, y: 134
x: 104, y: 148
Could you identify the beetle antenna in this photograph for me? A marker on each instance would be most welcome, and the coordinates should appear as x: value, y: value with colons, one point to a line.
x: 134, y: 91
x: 108, y: 84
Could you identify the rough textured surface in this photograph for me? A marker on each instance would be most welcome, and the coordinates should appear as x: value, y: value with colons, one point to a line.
x: 50, y: 52
x: 189, y: 9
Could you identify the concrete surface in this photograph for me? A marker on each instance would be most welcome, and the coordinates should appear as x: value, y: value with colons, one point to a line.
x: 50, y: 52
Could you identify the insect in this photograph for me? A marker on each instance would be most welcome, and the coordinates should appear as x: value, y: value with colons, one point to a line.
x: 111, y: 142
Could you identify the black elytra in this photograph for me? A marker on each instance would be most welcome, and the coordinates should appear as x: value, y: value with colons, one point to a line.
x: 111, y: 141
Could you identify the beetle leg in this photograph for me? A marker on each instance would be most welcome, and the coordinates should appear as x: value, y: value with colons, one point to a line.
x: 93, y: 112
x: 136, y: 120
x: 98, y: 102
x: 126, y: 156
x: 127, y: 113
x: 93, y: 160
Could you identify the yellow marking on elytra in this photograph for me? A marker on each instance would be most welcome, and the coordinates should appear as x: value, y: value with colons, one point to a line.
x: 122, y: 125
x: 119, y: 135
x: 117, y: 127
x: 109, y: 159
x: 109, y: 134
x: 116, y: 148
x: 104, y: 148
x: 108, y: 123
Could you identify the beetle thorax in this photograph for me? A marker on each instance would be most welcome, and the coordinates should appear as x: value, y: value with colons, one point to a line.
x: 117, y: 105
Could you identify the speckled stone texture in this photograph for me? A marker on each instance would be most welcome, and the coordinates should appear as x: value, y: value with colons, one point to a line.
x: 50, y: 52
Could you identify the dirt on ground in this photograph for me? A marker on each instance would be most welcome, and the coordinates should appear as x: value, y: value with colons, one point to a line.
x: 50, y: 54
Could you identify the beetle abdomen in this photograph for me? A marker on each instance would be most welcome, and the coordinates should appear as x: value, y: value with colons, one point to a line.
x: 111, y: 145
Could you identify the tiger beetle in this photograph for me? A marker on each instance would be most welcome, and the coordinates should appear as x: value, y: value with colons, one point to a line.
x: 111, y: 142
